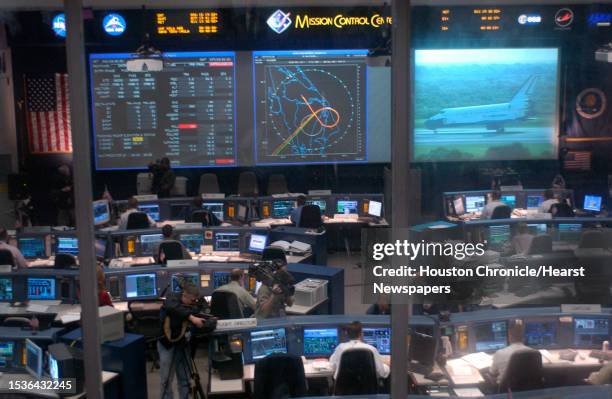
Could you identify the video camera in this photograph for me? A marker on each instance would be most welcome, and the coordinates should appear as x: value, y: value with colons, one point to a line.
x: 269, y: 273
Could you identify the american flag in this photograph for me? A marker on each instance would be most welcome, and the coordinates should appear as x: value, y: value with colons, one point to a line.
x: 48, y: 114
x: 577, y: 160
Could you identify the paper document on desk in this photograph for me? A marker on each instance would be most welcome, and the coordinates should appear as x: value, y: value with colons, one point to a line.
x: 439, y: 226
x: 34, y: 308
x: 459, y: 368
x: 70, y: 317
x: 547, y: 357
x: 45, y: 303
x: 468, y: 392
x: 480, y: 360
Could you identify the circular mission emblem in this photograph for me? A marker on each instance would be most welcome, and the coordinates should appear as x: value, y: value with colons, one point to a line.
x: 591, y: 103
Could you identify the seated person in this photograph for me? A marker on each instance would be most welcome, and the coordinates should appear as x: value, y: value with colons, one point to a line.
x: 549, y: 200
x: 209, y: 219
x: 167, y: 232
x: 488, y: 209
x: 501, y: 358
x: 272, y: 301
x: 296, y: 213
x: 522, y: 241
x: 355, y: 335
x: 18, y: 258
x: 382, y: 306
x: 235, y: 286
x: 132, y: 207
x: 601, y: 377
x: 104, y: 298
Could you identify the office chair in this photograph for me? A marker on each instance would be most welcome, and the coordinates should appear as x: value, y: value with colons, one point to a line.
x: 277, y: 184
x: 137, y: 220
x: 310, y: 217
x: 247, y: 184
x: 172, y: 250
x: 541, y: 244
x: 561, y: 210
x: 64, y: 261
x: 524, y: 372
x: 592, y: 239
x: 279, y: 376
x: 16, y: 322
x: 206, y: 218
x: 225, y: 305
x: 357, y: 373
x: 145, y: 321
x: 274, y: 253
x: 501, y: 212
x: 6, y: 257
x: 180, y: 187
x: 209, y: 184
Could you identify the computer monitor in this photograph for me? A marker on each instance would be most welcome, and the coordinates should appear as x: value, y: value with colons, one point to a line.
x: 179, y: 211
x: 150, y: 209
x: 380, y: 338
x: 282, y: 208
x: 537, y: 228
x: 422, y: 349
x: 541, y: 334
x: 34, y: 359
x: 148, y: 243
x: 216, y: 208
x: 590, y: 332
x: 226, y: 241
x: 347, y: 206
x: 569, y: 232
x: 32, y: 247
x: 100, y: 245
x: 9, y: 358
x: 592, y: 203
x: 534, y: 201
x: 321, y: 203
x: 499, y: 235
x: 221, y: 278
x: 41, y: 288
x: 491, y: 336
x: 320, y: 341
x: 179, y: 279
x: 101, y: 212
x: 375, y: 208
x: 67, y: 245
x: 509, y: 199
x: 474, y: 203
x: 139, y: 286
x: 192, y: 241
x: 6, y: 289
x: 65, y: 362
x: 258, y: 242
x: 266, y: 342
x: 458, y: 206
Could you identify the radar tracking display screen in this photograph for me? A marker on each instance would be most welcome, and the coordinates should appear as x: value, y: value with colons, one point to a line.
x: 185, y: 112
x: 310, y: 106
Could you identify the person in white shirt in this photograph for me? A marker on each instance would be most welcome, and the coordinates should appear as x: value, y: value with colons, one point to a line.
x: 488, y: 209
x: 355, y: 334
x: 501, y: 358
x: 132, y: 207
x: 522, y: 241
x: 549, y: 200
x: 244, y: 298
x: 18, y: 258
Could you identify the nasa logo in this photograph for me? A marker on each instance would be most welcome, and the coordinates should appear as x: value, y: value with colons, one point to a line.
x: 279, y: 21
x: 59, y: 25
x: 114, y: 24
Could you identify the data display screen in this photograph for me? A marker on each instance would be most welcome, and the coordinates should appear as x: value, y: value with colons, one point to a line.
x: 591, y: 332
x: 221, y: 278
x: 192, y: 123
x: 491, y: 336
x: 193, y: 242
x: 282, y: 208
x: 67, y: 245
x: 32, y: 247
x: 227, y: 242
x: 534, y: 201
x: 321, y: 203
x: 41, y: 288
x: 141, y: 285
x: 148, y: 243
x: 6, y: 289
x: 320, y: 341
x: 216, y: 208
x: 541, y: 334
x: 380, y: 338
x: 180, y: 279
x: 310, y: 106
x: 474, y: 203
x: 346, y: 206
x: 150, y: 209
x: 592, y: 203
x: 7, y: 355
x: 266, y: 342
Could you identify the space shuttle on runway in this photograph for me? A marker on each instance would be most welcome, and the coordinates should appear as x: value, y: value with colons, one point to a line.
x: 492, y: 116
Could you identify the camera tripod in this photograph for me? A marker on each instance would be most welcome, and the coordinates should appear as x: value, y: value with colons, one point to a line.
x: 191, y: 370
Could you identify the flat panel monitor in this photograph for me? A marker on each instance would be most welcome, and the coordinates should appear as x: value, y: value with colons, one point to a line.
x: 467, y: 121
x: 9, y: 357
x: 320, y: 341
x: 537, y: 228
x: 267, y: 342
x: 179, y: 211
x: 34, y: 359
x: 220, y: 278
x: 257, y: 242
x: 216, y: 208
x: 458, y: 206
x: 380, y: 338
x: 139, y: 286
x: 282, y: 208
x: 32, y: 247
x: 375, y: 208
x: 534, y: 201
x: 41, y: 288
x: 226, y: 242
x: 592, y: 203
x: 180, y: 279
x: 193, y: 241
x: 347, y: 207
x: 148, y: 243
x: 474, y: 203
x: 101, y: 212
x: 100, y: 245
x: 6, y: 289
x: 321, y: 203
x: 569, y: 232
x: 509, y: 199
x: 590, y: 332
x: 422, y: 349
x: 150, y: 209
x: 491, y: 336
x: 499, y: 235
x: 541, y: 334
x: 67, y: 245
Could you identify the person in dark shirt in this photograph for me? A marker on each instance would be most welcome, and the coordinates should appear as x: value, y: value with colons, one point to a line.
x: 209, y: 218
x: 62, y: 195
x: 163, y: 179
x: 179, y: 312
x: 296, y: 213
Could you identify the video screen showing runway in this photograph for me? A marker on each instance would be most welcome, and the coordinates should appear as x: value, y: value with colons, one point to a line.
x: 485, y: 104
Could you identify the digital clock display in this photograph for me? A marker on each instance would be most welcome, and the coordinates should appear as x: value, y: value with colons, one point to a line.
x: 187, y: 23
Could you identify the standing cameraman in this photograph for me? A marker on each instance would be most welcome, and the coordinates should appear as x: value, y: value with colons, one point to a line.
x: 163, y: 178
x: 272, y: 298
x: 177, y: 315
